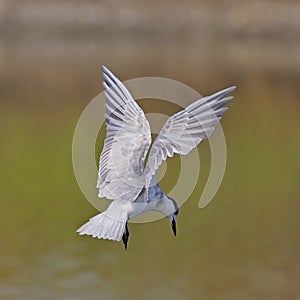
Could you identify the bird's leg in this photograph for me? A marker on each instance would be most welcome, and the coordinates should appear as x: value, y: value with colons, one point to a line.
x: 125, y: 236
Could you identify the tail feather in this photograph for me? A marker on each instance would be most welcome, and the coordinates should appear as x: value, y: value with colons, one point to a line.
x: 103, y: 227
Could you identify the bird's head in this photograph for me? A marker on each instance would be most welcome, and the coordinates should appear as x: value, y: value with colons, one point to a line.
x: 172, y: 217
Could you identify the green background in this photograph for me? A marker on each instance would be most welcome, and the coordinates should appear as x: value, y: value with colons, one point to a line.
x: 245, y: 244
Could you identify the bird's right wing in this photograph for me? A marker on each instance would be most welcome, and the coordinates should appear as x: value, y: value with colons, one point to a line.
x: 128, y: 137
x: 185, y: 130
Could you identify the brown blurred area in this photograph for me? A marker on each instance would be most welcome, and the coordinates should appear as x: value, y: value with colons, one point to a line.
x: 208, y: 44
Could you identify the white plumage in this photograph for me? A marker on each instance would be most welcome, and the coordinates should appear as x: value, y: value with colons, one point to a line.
x: 122, y: 176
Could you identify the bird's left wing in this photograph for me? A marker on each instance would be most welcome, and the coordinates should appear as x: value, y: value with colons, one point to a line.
x: 126, y: 144
x: 185, y: 130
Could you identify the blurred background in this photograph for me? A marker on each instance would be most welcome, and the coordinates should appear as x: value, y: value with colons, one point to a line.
x: 245, y: 244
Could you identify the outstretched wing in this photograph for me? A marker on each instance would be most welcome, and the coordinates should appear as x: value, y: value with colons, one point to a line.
x: 126, y: 144
x: 186, y: 129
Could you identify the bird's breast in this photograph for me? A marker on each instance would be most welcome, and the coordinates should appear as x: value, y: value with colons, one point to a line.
x: 155, y: 193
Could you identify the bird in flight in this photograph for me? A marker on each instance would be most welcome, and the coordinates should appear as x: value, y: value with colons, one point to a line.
x: 123, y: 176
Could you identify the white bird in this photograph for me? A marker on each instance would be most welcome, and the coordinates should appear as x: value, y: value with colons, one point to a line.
x: 122, y: 176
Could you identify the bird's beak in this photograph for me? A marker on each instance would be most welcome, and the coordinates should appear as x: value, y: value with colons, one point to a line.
x: 174, y: 226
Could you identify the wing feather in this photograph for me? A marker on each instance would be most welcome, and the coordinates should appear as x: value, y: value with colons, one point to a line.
x: 186, y: 129
x: 126, y: 144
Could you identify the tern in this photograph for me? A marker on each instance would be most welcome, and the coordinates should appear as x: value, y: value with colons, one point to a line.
x: 124, y: 177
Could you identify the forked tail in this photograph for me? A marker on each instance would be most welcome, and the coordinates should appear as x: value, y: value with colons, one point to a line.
x: 104, y: 226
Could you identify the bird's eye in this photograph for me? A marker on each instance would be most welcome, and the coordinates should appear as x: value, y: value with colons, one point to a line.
x: 176, y: 212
